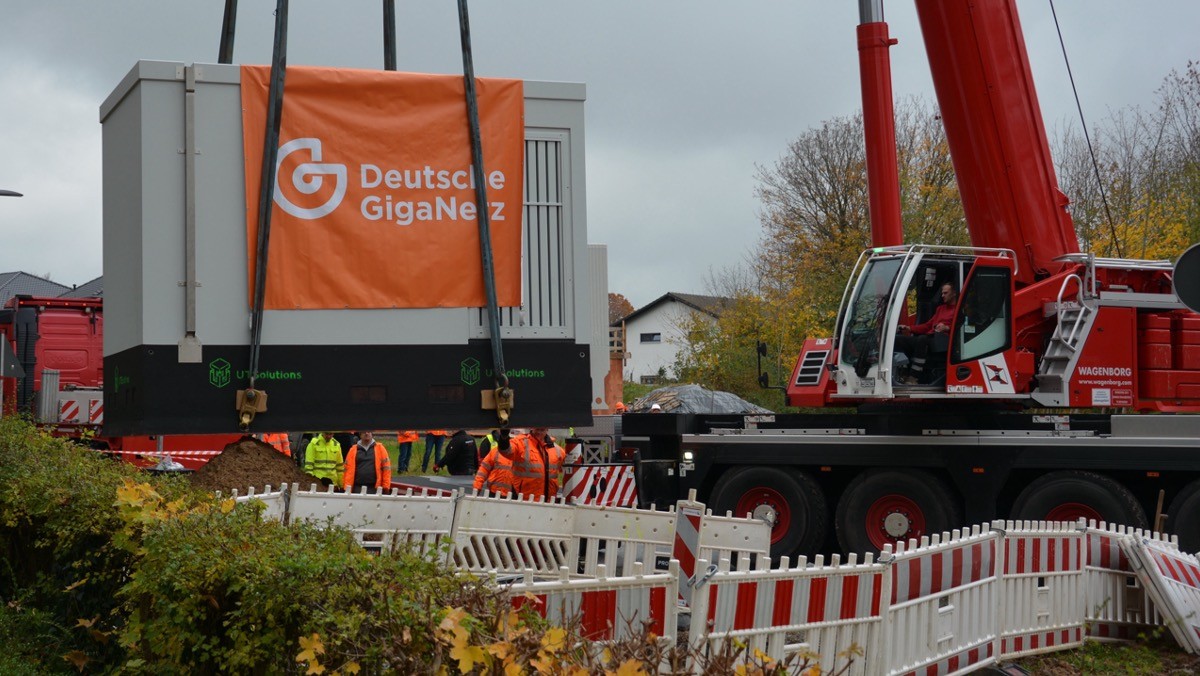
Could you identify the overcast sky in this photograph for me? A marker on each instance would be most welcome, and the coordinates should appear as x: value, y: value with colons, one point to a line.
x: 684, y: 99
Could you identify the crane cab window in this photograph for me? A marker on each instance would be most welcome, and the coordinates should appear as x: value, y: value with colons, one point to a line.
x: 924, y: 291
x: 984, y: 323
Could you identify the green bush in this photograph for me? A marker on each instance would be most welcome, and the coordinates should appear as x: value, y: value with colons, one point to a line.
x: 59, y: 532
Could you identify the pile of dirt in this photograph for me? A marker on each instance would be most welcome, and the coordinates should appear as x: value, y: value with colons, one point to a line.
x: 248, y: 463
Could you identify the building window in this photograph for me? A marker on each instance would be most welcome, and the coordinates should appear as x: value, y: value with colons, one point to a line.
x: 651, y: 337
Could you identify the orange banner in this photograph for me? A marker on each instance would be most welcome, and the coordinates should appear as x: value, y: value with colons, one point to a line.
x: 375, y: 201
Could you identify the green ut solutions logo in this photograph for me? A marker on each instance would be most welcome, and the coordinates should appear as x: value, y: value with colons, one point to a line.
x: 219, y: 372
x: 469, y: 371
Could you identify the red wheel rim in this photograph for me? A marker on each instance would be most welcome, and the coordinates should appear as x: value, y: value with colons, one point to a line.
x: 1071, y: 511
x: 762, y: 496
x: 893, y: 505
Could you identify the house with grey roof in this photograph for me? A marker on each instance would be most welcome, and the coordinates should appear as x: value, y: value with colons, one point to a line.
x: 655, y: 333
x: 25, y: 284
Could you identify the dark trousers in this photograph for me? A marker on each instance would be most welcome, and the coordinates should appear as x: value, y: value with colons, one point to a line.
x: 405, y: 456
x: 918, y: 348
x: 433, y: 446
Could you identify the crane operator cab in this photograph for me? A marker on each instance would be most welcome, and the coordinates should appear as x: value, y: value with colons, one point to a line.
x: 928, y: 322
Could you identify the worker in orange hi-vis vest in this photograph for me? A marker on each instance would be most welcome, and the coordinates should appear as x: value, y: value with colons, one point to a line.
x: 537, y: 462
x: 405, y: 439
x: 280, y: 441
x: 367, y: 465
x: 494, y: 474
x: 434, y: 439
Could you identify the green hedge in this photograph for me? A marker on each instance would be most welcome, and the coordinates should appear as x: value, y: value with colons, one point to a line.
x: 108, y: 567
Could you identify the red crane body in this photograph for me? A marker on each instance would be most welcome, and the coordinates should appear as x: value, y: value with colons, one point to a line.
x: 997, y: 139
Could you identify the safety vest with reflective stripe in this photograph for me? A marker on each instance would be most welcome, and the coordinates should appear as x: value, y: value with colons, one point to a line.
x: 406, y: 436
x: 494, y: 474
x: 323, y: 459
x: 383, y: 466
x: 536, y: 466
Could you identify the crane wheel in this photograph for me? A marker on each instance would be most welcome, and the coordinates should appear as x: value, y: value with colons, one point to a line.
x: 886, y: 506
x: 1070, y: 495
x: 1183, y: 517
x: 788, y: 499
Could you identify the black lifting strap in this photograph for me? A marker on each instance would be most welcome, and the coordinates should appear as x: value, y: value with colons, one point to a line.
x: 252, y: 400
x: 504, y: 394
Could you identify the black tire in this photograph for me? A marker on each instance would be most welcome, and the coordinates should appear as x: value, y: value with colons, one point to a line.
x: 1067, y: 495
x: 893, y: 505
x: 1183, y: 517
x: 798, y: 501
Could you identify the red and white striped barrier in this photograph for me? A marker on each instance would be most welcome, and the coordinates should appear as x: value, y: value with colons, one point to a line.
x: 96, y: 411
x: 68, y: 411
x: 685, y: 546
x: 948, y: 587
x: 606, y: 608
x: 1117, y: 607
x: 834, y: 607
x: 192, y: 460
x: 1172, y: 579
x: 1043, y: 587
x: 606, y: 485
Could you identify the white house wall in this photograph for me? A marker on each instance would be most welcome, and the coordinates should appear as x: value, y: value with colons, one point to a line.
x: 669, y: 321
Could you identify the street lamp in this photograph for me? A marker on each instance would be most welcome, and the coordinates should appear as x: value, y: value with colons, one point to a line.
x: 10, y: 193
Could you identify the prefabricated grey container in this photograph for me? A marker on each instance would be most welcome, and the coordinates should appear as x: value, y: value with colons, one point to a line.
x: 397, y: 368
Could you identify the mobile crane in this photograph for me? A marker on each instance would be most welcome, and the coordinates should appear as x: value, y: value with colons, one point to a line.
x: 1040, y: 330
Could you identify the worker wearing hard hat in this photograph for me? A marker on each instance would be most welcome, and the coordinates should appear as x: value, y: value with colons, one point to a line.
x: 323, y: 459
x: 655, y: 408
x: 367, y: 465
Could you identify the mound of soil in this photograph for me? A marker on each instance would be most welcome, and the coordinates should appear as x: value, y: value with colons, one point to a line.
x: 248, y: 463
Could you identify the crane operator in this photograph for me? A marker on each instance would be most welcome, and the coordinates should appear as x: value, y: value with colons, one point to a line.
x: 916, y: 341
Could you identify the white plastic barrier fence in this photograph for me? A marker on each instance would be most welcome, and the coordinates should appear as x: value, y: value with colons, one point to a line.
x: 276, y: 502
x: 607, y: 608
x: 380, y: 521
x: 941, y: 611
x: 619, y: 537
x: 1117, y: 605
x: 1043, y: 587
x: 492, y: 534
x: 1173, y: 580
x: 824, y: 610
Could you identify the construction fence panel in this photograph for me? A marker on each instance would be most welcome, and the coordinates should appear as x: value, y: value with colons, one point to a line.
x: 1172, y: 578
x: 380, y: 521
x: 607, y: 608
x: 733, y: 538
x: 823, y: 611
x: 1117, y: 607
x: 275, y: 502
x: 505, y: 535
x: 616, y: 538
x: 1043, y: 587
x: 941, y: 612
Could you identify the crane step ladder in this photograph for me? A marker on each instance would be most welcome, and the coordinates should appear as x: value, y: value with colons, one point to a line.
x: 1075, y: 320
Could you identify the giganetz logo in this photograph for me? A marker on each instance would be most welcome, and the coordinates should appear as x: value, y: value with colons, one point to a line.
x: 308, y: 178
